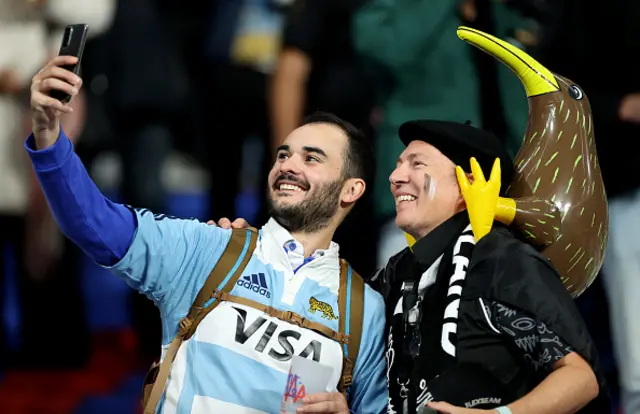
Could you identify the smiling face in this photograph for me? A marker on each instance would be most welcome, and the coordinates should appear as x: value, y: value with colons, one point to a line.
x: 308, y: 189
x: 425, y: 188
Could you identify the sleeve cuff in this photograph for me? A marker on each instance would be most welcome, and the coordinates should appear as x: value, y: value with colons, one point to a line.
x: 49, y: 158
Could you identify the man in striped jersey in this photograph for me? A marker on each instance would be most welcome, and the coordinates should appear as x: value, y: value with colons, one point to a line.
x: 238, y: 359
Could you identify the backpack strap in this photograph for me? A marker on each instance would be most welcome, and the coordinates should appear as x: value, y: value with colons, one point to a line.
x: 351, y: 308
x: 222, y: 278
x: 286, y: 316
x: 231, y: 267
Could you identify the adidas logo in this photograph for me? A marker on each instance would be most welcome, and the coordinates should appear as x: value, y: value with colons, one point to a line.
x: 256, y: 283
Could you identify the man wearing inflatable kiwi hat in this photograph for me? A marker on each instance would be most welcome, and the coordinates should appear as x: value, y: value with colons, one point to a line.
x: 475, y: 327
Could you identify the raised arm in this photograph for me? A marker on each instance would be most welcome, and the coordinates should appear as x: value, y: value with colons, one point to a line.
x: 103, y: 229
x: 150, y: 252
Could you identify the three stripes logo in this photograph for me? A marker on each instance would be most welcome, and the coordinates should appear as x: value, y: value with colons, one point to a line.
x: 255, y: 282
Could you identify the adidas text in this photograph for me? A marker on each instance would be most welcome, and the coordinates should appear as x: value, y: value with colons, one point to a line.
x: 256, y: 283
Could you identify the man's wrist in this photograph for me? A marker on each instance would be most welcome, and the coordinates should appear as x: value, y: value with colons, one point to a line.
x: 46, y: 137
x: 51, y: 157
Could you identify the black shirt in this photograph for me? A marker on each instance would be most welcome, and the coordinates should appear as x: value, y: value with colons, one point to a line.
x: 495, y: 318
x: 338, y: 83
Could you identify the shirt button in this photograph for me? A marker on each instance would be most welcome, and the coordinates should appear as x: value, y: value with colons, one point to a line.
x: 292, y: 246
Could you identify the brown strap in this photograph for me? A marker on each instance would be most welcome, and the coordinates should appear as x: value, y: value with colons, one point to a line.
x: 355, y: 286
x: 286, y: 316
x: 213, y: 284
x: 163, y: 374
x: 356, y: 318
x: 223, y: 267
x: 234, y: 250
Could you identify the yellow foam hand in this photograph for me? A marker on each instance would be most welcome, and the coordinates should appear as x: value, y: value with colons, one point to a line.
x: 481, y: 196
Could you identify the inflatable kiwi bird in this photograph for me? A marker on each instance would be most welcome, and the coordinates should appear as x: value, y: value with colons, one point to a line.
x: 556, y: 200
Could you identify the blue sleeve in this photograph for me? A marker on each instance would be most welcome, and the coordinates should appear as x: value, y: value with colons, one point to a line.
x: 101, y: 228
x: 165, y: 258
x: 169, y: 260
x: 369, y: 390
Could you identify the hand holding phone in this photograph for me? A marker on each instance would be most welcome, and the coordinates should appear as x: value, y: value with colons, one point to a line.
x: 45, y: 110
x: 54, y: 85
x: 73, y: 42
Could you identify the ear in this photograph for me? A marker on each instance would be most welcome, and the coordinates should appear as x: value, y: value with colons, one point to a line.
x: 460, y: 203
x: 352, y: 190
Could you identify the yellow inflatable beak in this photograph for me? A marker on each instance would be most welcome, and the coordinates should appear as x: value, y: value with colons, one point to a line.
x: 537, y: 79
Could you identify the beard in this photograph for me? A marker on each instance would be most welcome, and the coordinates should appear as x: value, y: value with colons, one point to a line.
x: 313, y: 213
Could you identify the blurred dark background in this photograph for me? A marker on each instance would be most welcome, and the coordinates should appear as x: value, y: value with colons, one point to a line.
x: 183, y: 105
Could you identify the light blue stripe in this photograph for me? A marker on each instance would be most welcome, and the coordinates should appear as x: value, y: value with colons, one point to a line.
x: 160, y: 407
x: 217, y: 372
x: 235, y: 267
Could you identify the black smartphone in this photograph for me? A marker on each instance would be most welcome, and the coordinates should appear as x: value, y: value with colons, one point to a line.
x: 73, y: 41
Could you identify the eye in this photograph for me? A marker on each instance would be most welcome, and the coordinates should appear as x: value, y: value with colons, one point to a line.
x: 575, y: 92
x: 311, y: 158
x: 417, y: 164
x: 282, y: 155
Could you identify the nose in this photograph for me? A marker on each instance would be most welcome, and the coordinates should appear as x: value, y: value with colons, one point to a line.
x: 290, y: 164
x: 399, y: 176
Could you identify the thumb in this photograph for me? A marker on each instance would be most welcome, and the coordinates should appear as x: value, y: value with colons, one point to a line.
x: 442, y: 407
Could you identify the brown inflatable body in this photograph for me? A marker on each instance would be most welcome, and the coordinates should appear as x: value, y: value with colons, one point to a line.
x: 560, y: 201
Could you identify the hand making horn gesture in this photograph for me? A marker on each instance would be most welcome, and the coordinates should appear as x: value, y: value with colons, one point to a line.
x: 480, y: 196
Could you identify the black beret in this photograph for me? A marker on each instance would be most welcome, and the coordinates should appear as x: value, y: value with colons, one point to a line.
x: 459, y: 142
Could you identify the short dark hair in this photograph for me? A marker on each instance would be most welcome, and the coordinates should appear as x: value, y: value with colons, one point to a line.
x: 358, y: 159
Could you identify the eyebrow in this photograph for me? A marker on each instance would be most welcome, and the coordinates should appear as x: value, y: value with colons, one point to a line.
x: 412, y: 157
x: 316, y: 150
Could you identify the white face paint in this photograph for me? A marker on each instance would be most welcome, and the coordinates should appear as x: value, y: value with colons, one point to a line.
x: 432, y: 185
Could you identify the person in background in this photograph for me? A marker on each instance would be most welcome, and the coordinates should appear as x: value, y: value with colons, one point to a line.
x: 31, y: 31
x: 45, y: 240
x: 145, y: 101
x: 53, y: 263
x: 318, y: 69
x: 23, y: 48
x: 238, y: 54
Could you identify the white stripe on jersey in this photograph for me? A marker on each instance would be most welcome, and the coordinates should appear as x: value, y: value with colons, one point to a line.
x: 175, y: 381
x: 251, y: 334
x: 206, y: 405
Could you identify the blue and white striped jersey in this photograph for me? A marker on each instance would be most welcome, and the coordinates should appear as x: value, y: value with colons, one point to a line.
x: 238, y: 359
